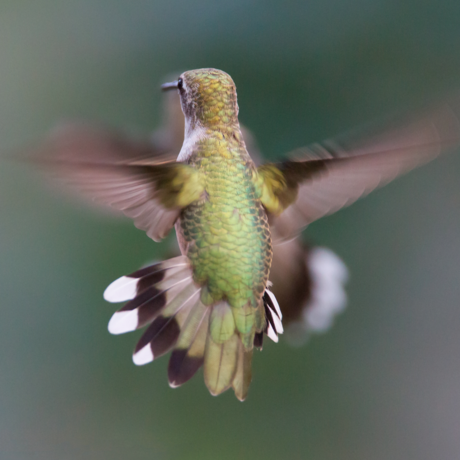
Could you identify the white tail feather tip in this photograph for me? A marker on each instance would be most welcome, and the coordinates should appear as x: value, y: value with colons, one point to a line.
x: 271, y: 333
x: 278, y: 324
x: 143, y: 356
x: 122, y: 289
x: 123, y: 321
x: 275, y: 303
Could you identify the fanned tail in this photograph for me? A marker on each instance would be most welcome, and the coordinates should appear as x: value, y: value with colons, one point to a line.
x: 165, y: 298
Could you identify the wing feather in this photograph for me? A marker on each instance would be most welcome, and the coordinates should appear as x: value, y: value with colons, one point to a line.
x: 334, y: 174
x: 128, y: 175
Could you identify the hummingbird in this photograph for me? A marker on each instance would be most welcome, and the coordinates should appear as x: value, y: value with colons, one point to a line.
x: 307, y: 280
x: 212, y: 305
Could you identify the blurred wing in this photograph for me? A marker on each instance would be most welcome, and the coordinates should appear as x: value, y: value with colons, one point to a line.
x: 100, y: 144
x: 251, y: 145
x: 125, y: 175
x: 326, y: 177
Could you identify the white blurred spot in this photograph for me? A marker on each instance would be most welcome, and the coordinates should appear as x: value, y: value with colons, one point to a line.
x: 329, y: 274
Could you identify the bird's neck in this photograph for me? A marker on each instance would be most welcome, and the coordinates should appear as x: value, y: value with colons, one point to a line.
x: 211, y: 140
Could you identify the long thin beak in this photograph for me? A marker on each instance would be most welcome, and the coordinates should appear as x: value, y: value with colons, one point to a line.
x: 168, y: 86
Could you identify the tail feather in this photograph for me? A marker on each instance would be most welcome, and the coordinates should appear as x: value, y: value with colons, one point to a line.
x: 220, y: 364
x: 273, y: 315
x: 243, y: 374
x: 245, y: 322
x: 222, y: 324
x: 161, y: 336
x: 188, y: 356
x: 217, y: 336
x: 148, y: 302
x: 179, y: 261
x: 128, y: 287
x: 142, y: 310
x: 260, y: 319
x: 259, y: 340
x: 158, y: 339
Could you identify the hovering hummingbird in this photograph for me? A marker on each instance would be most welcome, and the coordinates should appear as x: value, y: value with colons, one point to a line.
x: 213, y: 304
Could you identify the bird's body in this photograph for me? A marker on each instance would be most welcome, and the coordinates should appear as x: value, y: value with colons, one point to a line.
x: 226, y: 234
x: 226, y: 237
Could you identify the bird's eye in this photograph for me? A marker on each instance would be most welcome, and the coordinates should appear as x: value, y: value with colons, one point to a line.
x: 180, y: 83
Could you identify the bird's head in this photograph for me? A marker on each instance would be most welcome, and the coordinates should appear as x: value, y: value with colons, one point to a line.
x: 208, y: 98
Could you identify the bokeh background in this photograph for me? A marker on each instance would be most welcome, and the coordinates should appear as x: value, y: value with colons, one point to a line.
x: 383, y: 384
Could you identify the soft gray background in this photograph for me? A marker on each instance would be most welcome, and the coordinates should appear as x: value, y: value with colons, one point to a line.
x: 384, y: 384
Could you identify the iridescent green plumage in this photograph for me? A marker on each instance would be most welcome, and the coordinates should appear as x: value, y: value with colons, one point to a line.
x: 227, y: 231
x: 225, y: 234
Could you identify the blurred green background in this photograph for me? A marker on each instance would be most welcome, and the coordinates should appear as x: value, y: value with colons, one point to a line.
x: 383, y: 384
